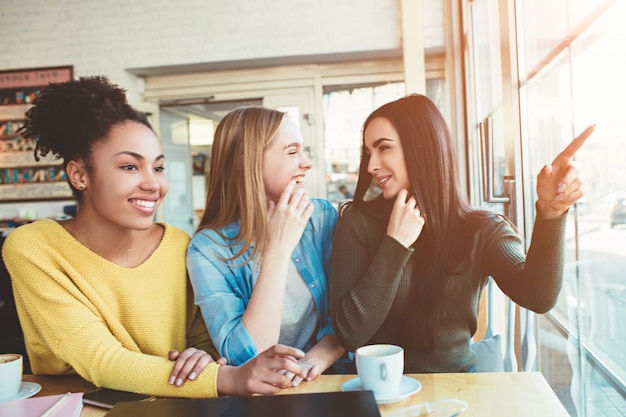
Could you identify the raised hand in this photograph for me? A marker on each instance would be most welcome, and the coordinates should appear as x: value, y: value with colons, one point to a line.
x: 406, y: 221
x: 288, y: 217
x: 189, y: 364
x: 558, y: 184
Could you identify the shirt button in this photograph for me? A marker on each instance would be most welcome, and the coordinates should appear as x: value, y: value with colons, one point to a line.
x: 297, y: 260
x: 312, y: 285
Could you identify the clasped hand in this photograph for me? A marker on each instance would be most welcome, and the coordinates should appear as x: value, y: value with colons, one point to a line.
x: 263, y: 374
x: 267, y: 373
x: 189, y: 364
x: 312, y: 371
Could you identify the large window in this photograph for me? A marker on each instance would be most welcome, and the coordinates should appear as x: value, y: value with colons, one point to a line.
x: 572, y: 72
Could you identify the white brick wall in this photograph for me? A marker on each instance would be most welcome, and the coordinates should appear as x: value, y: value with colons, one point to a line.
x: 111, y: 36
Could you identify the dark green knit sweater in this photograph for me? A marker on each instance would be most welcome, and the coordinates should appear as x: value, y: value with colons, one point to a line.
x: 372, y: 280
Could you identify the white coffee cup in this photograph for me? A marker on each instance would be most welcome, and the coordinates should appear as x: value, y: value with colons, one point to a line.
x: 380, y: 368
x: 10, y: 374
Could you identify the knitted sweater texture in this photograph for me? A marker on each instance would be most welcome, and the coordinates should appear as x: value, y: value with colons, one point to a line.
x: 373, y: 279
x: 113, y: 326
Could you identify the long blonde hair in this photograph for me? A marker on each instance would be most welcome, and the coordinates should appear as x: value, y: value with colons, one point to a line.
x: 235, y: 184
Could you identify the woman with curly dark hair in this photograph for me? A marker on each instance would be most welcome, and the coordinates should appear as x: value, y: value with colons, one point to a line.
x: 106, y: 294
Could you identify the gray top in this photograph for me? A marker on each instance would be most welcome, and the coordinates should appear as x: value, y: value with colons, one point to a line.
x: 299, y: 316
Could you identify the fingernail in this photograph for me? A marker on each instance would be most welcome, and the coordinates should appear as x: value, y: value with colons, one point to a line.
x: 172, y: 380
x: 192, y: 376
x: 561, y: 188
x: 559, y: 197
x: 179, y: 382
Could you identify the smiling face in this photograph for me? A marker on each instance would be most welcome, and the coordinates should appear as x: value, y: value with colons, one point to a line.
x: 284, y: 160
x: 126, y: 181
x: 387, y: 164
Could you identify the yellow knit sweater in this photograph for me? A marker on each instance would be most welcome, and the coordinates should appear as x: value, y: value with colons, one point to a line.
x: 113, y: 326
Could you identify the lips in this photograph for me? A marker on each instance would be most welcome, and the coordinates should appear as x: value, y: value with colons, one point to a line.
x: 381, y: 180
x: 299, y: 179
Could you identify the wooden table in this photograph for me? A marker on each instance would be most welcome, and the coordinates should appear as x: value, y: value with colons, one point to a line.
x: 508, y: 394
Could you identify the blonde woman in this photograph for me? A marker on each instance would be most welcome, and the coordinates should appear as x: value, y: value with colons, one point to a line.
x: 259, y: 259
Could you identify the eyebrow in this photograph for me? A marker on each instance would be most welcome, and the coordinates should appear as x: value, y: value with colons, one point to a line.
x: 139, y: 156
x: 377, y: 142
x: 296, y: 144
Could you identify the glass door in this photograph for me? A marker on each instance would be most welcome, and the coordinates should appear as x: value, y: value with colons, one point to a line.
x: 493, y: 152
x: 174, y: 133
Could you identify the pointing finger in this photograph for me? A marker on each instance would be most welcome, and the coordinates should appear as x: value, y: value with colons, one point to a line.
x: 575, y: 144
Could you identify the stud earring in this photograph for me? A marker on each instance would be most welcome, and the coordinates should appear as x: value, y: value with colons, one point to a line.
x: 81, y: 186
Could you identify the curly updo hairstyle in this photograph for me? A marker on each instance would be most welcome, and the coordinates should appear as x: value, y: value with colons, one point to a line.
x: 68, y: 118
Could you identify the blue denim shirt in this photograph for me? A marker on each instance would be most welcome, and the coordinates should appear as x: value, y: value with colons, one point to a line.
x: 222, y: 289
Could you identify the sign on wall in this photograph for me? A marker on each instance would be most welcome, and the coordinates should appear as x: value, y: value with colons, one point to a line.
x: 22, y: 178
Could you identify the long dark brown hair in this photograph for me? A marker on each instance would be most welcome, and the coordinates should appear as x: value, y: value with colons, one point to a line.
x: 431, y: 162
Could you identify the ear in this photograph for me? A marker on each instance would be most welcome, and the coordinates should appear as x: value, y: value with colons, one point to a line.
x: 77, y: 175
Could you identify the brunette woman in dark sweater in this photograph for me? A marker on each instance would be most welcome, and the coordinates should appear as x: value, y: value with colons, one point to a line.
x: 409, y: 265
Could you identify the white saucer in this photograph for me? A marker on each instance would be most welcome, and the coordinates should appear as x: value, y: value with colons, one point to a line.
x: 27, y: 389
x: 408, y: 386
